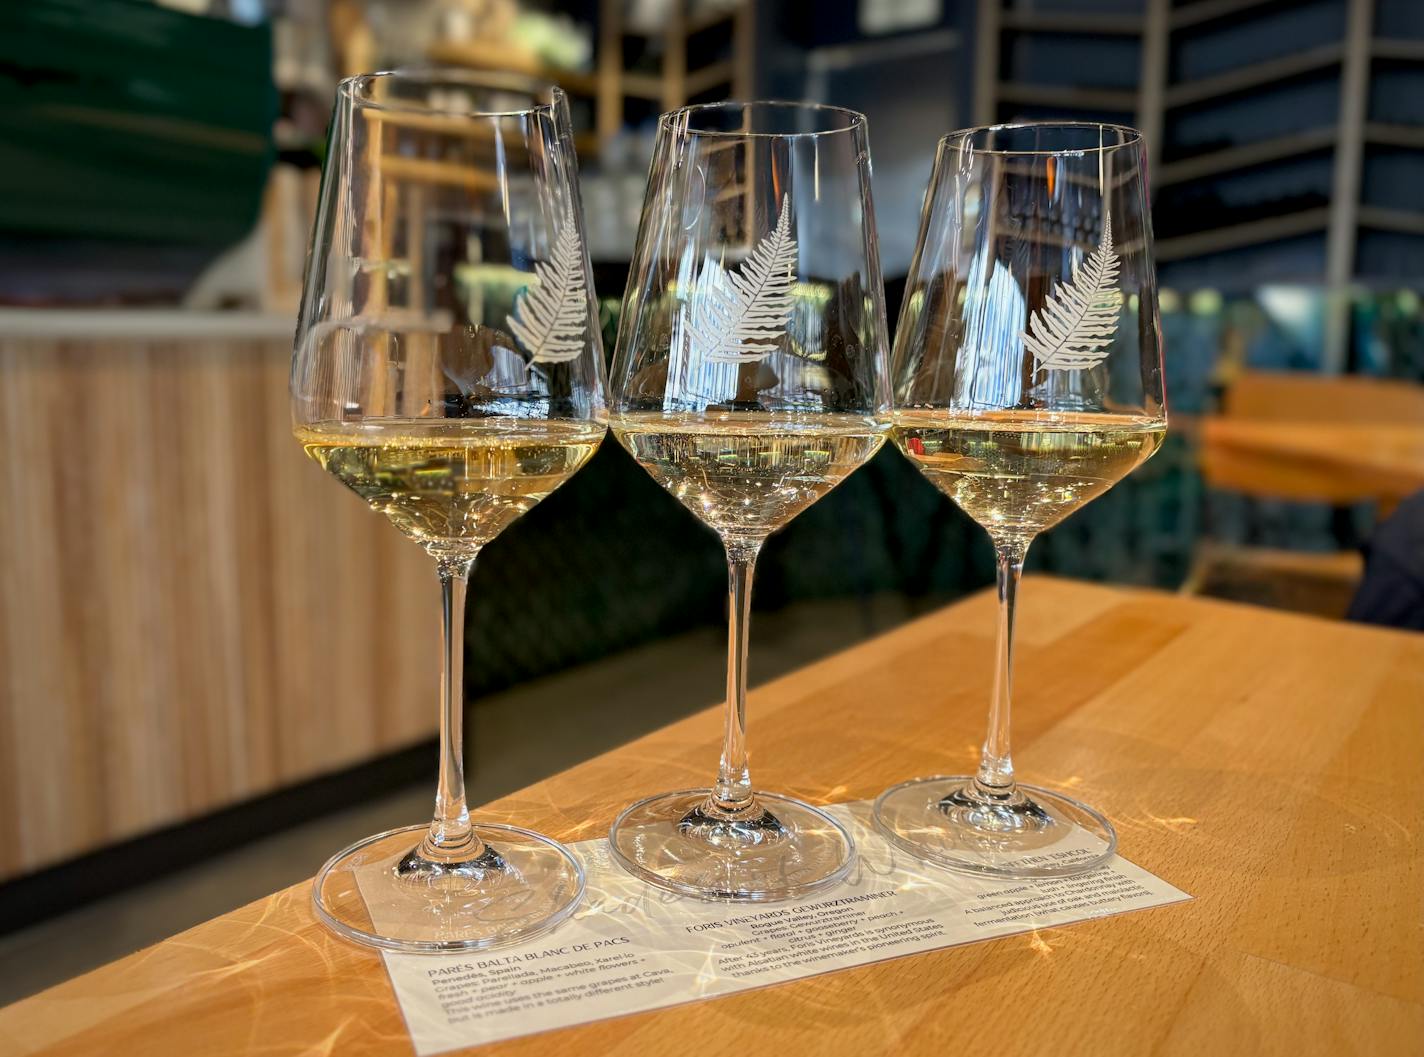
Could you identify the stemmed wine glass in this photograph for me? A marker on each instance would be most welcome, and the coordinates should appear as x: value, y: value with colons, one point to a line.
x: 1027, y: 378
x: 448, y: 370
x: 749, y: 381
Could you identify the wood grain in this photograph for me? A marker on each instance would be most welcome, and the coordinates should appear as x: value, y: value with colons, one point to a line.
x: 191, y: 612
x: 1299, y: 396
x: 1291, y: 435
x: 1314, y: 461
x: 1266, y: 763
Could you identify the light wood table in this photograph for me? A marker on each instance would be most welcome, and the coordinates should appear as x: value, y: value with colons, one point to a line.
x: 1330, y: 461
x: 1266, y: 763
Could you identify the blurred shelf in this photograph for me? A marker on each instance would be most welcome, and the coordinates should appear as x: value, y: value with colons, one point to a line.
x: 1072, y: 22
x: 1062, y: 95
x: 463, y: 128
x: 480, y: 55
x: 1242, y: 100
x: 700, y: 80
x: 451, y: 174
x: 1255, y: 76
x: 1379, y: 218
x: 643, y: 86
x: 695, y: 24
x: 296, y: 142
x: 1210, y: 10
x: 442, y: 124
x: 708, y: 19
x: 1395, y: 135
x: 612, y: 86
x: 1250, y: 233
x: 1232, y: 158
x: 1399, y: 49
x: 1260, y: 74
x: 848, y: 56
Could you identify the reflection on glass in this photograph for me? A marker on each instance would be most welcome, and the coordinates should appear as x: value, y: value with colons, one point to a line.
x: 448, y: 370
x: 749, y: 381
x: 1027, y: 382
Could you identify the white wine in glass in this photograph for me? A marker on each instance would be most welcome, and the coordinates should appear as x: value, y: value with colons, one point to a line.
x: 1019, y: 472
x: 744, y: 474
x: 448, y: 370
x: 451, y: 485
x: 1027, y: 382
x: 750, y: 379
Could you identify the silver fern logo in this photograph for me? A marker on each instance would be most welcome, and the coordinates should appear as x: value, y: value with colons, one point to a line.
x: 739, y: 316
x: 1075, y: 326
x: 550, y: 315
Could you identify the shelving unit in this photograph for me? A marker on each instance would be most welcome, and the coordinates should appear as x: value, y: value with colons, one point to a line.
x: 677, y: 82
x: 1352, y: 58
x: 1142, y: 107
x: 611, y: 85
x: 1160, y: 27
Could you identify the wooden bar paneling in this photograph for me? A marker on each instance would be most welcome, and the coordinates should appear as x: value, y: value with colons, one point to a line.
x: 191, y: 612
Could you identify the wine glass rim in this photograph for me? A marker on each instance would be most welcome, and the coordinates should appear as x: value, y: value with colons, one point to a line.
x: 1131, y: 137
x: 352, y: 88
x: 676, y: 120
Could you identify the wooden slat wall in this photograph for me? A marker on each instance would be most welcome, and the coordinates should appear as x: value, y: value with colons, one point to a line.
x: 191, y: 612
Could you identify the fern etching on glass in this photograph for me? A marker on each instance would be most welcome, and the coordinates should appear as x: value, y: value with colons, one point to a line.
x: 550, y: 315
x: 739, y: 316
x: 1075, y: 327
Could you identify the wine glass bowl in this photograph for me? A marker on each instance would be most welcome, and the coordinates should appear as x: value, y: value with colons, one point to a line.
x: 1027, y: 382
x: 447, y: 369
x: 749, y: 380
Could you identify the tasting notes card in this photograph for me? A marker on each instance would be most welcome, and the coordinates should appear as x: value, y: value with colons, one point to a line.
x: 632, y: 947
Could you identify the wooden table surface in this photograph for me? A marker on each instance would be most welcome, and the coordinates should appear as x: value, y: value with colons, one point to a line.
x: 1268, y: 764
x: 1325, y: 460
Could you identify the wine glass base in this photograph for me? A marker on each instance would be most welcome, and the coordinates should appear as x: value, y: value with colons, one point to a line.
x: 1041, y: 834
x: 787, y: 851
x: 529, y: 886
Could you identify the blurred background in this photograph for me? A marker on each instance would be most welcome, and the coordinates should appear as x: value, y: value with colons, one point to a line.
x: 216, y: 667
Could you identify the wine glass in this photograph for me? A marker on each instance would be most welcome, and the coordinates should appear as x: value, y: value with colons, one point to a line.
x: 749, y: 381
x: 448, y: 370
x: 1027, y: 377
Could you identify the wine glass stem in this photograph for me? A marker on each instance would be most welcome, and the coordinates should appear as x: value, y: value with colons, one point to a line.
x: 996, y: 766
x: 451, y: 836
x: 732, y: 795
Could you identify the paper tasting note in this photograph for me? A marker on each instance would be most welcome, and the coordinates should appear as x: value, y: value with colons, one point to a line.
x: 632, y: 947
